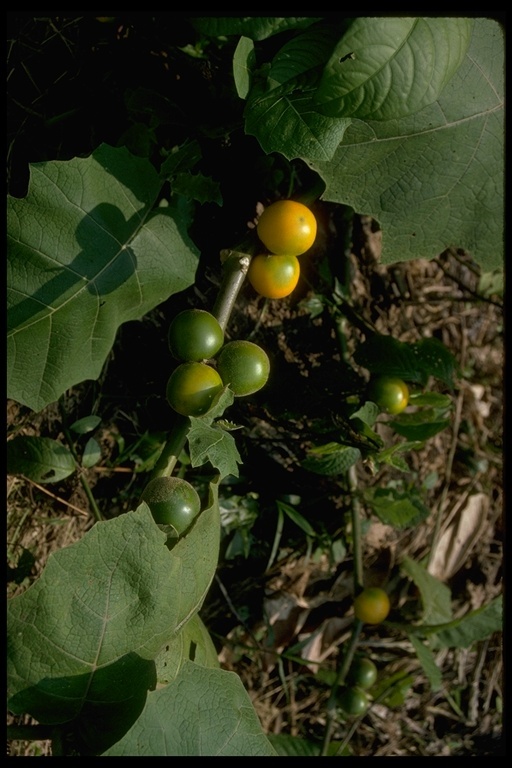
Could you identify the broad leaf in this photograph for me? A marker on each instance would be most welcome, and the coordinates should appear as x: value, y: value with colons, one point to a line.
x: 387, y: 68
x: 82, y: 639
x: 203, y: 713
x: 435, y: 178
x: 86, y: 252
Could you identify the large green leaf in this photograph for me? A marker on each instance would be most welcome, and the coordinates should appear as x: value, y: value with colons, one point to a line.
x: 82, y: 639
x: 87, y: 251
x: 386, y: 68
x: 435, y: 178
x: 203, y: 713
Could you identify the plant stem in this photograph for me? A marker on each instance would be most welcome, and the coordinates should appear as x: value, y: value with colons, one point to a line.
x: 355, y: 509
x: 236, y: 265
x: 339, y: 680
x: 172, y: 448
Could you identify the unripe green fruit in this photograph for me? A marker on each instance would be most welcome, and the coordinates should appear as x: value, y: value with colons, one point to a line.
x: 353, y: 701
x: 362, y: 672
x: 243, y: 366
x: 172, y: 501
x: 192, y: 387
x: 195, y: 334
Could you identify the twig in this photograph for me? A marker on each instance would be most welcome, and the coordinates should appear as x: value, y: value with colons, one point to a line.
x: 54, y: 496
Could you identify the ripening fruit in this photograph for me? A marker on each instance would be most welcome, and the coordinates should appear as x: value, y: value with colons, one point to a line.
x: 192, y: 387
x: 243, y: 366
x: 372, y: 605
x: 274, y: 276
x: 390, y: 393
x: 287, y: 227
x: 195, y: 334
x: 172, y: 501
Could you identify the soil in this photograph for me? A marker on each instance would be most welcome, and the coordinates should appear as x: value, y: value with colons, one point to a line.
x: 266, y: 607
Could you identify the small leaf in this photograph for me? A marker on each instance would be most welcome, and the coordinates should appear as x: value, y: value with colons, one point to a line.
x: 244, y: 62
x: 297, y: 518
x: 382, y: 354
x: 474, y: 626
x: 92, y: 453
x: 331, y: 459
x: 85, y: 425
x: 436, y: 596
x: 427, y: 661
x: 197, y: 187
x: 399, y: 508
x: 213, y: 444
x: 419, y: 426
x: 41, y: 459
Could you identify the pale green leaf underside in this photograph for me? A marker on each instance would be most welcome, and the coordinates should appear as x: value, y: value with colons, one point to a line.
x: 86, y: 252
x: 203, y: 713
x: 434, y: 179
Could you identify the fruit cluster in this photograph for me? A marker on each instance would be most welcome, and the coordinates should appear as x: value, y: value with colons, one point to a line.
x: 287, y: 229
x: 196, y: 339
x: 353, y: 698
x: 207, y: 364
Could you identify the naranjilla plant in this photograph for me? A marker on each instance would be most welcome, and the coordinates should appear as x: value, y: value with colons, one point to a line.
x: 108, y: 651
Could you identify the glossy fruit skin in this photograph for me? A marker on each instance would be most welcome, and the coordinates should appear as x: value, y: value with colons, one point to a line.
x: 390, y: 393
x: 192, y: 387
x: 195, y: 335
x: 353, y: 700
x: 172, y: 501
x: 287, y: 227
x: 274, y: 276
x: 372, y: 605
x: 362, y: 672
x: 244, y: 366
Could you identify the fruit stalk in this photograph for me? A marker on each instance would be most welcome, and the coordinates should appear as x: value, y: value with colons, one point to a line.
x: 235, y: 268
